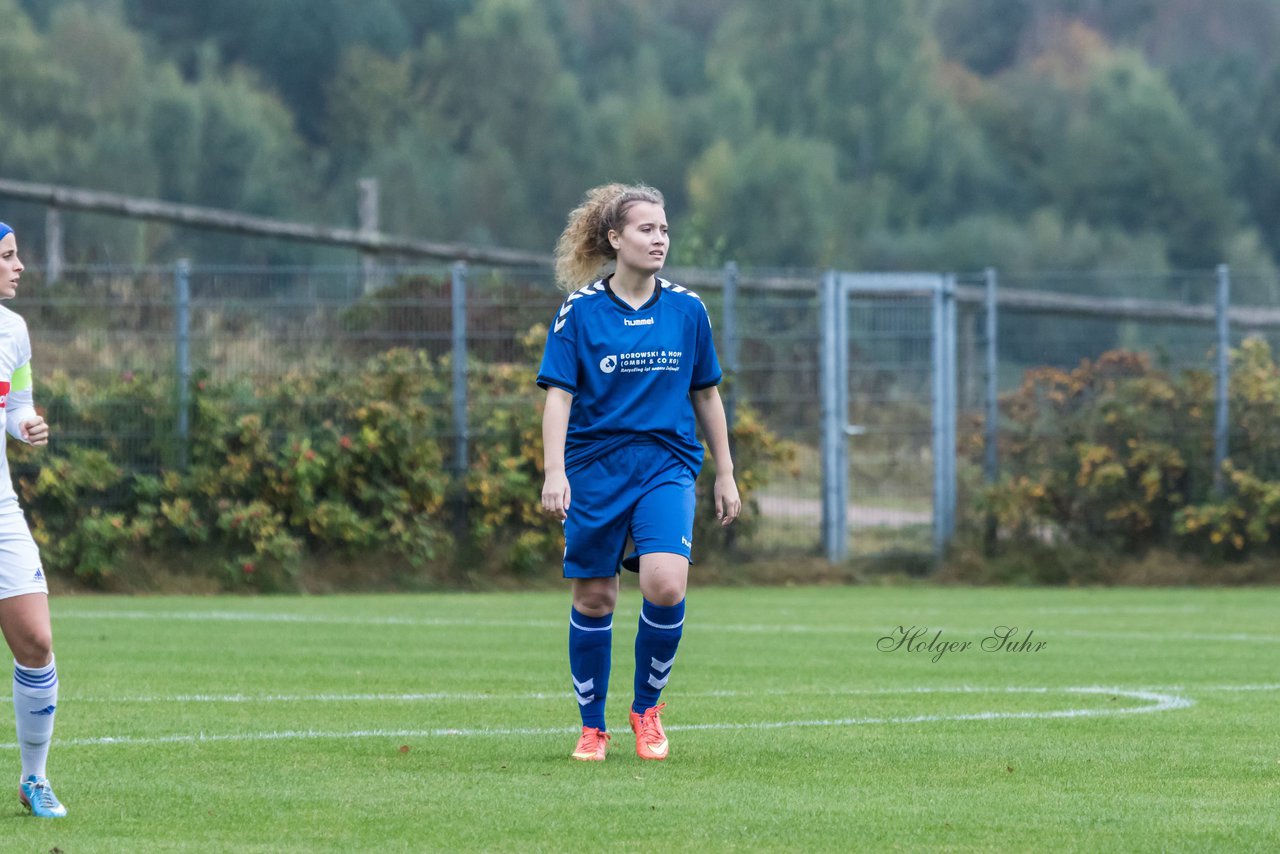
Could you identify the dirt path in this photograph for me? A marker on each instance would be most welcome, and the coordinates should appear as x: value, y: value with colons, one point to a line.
x: 860, y: 516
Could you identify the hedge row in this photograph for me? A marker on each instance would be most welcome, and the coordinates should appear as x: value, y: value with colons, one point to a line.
x: 313, y: 465
x: 1117, y: 455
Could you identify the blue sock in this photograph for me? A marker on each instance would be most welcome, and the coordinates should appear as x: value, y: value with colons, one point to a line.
x: 656, y: 642
x: 590, y: 649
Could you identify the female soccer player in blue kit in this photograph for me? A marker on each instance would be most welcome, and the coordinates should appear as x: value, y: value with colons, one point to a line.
x: 24, y: 593
x: 629, y: 364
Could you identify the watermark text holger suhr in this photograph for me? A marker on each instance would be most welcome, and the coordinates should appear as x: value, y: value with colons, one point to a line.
x: 919, y: 639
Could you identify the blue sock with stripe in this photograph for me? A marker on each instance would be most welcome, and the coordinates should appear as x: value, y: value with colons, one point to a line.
x: 35, y: 697
x: 590, y: 657
x: 656, y: 642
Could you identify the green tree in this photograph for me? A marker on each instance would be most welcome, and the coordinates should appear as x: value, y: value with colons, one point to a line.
x: 769, y: 202
x: 1111, y: 145
x: 74, y: 111
x: 983, y: 35
x: 1261, y: 169
x: 1138, y: 130
x: 87, y: 106
x: 296, y: 45
x: 424, y: 176
x: 864, y: 76
x: 497, y: 89
x: 369, y: 100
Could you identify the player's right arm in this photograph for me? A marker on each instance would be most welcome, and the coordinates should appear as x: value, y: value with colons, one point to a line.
x: 21, y: 419
x: 555, y: 426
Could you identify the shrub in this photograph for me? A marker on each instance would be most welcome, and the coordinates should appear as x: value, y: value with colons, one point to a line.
x: 756, y: 451
x: 284, y: 473
x: 1103, y: 453
x: 1245, y: 519
x: 73, y: 531
x: 1117, y: 455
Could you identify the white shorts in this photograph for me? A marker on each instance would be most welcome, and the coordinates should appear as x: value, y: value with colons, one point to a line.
x: 20, y: 569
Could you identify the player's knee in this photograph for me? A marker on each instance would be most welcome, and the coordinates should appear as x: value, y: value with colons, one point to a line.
x: 666, y: 593
x: 595, y: 600
x: 666, y: 589
x: 663, y: 578
x: 594, y: 606
x: 34, y: 649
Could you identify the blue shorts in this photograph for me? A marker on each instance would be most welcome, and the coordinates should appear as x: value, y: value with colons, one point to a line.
x: 640, y: 489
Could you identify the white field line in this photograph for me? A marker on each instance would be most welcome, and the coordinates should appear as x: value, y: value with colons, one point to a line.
x: 1155, y: 702
x: 750, y: 628
x: 1104, y: 610
x: 327, y: 620
x: 1232, y: 637
x: 257, y: 699
x: 559, y: 696
x: 1086, y: 610
x: 1042, y: 633
x: 1049, y: 632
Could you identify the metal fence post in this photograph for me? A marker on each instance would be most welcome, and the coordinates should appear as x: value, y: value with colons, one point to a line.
x: 55, y: 251
x: 730, y: 322
x: 944, y: 413
x: 950, y: 324
x: 461, y: 432
x: 458, y: 305
x: 367, y: 211
x: 731, y: 343
x: 1221, y: 420
x: 182, y: 338
x: 835, y: 417
x: 991, y: 430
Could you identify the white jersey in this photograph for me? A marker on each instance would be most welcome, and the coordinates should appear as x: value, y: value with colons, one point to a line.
x: 15, y: 395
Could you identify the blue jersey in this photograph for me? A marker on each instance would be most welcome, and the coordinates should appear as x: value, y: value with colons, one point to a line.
x: 630, y: 370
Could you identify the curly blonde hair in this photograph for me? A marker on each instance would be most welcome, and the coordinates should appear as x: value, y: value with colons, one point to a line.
x: 584, y: 248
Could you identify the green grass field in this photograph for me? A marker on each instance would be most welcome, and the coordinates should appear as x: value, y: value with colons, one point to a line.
x: 1148, y: 721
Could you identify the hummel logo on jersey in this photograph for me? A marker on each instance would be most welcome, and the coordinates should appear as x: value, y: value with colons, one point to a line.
x: 563, y: 316
x: 609, y: 364
x: 644, y: 321
x: 47, y: 710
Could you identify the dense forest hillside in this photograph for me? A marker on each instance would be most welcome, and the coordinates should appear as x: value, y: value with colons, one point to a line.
x: 1069, y: 134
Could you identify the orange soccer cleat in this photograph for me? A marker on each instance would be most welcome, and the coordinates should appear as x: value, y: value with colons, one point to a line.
x: 651, y: 741
x: 592, y: 745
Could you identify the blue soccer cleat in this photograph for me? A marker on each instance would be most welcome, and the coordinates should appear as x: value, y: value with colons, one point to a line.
x: 37, y: 795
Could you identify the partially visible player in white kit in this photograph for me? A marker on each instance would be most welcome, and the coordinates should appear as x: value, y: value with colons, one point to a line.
x: 24, y: 594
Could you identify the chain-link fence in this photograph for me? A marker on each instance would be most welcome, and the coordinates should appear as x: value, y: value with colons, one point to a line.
x: 1065, y: 321
x: 172, y: 328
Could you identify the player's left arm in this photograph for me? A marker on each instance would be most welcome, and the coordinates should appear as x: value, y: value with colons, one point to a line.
x: 21, y: 419
x: 709, y: 410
